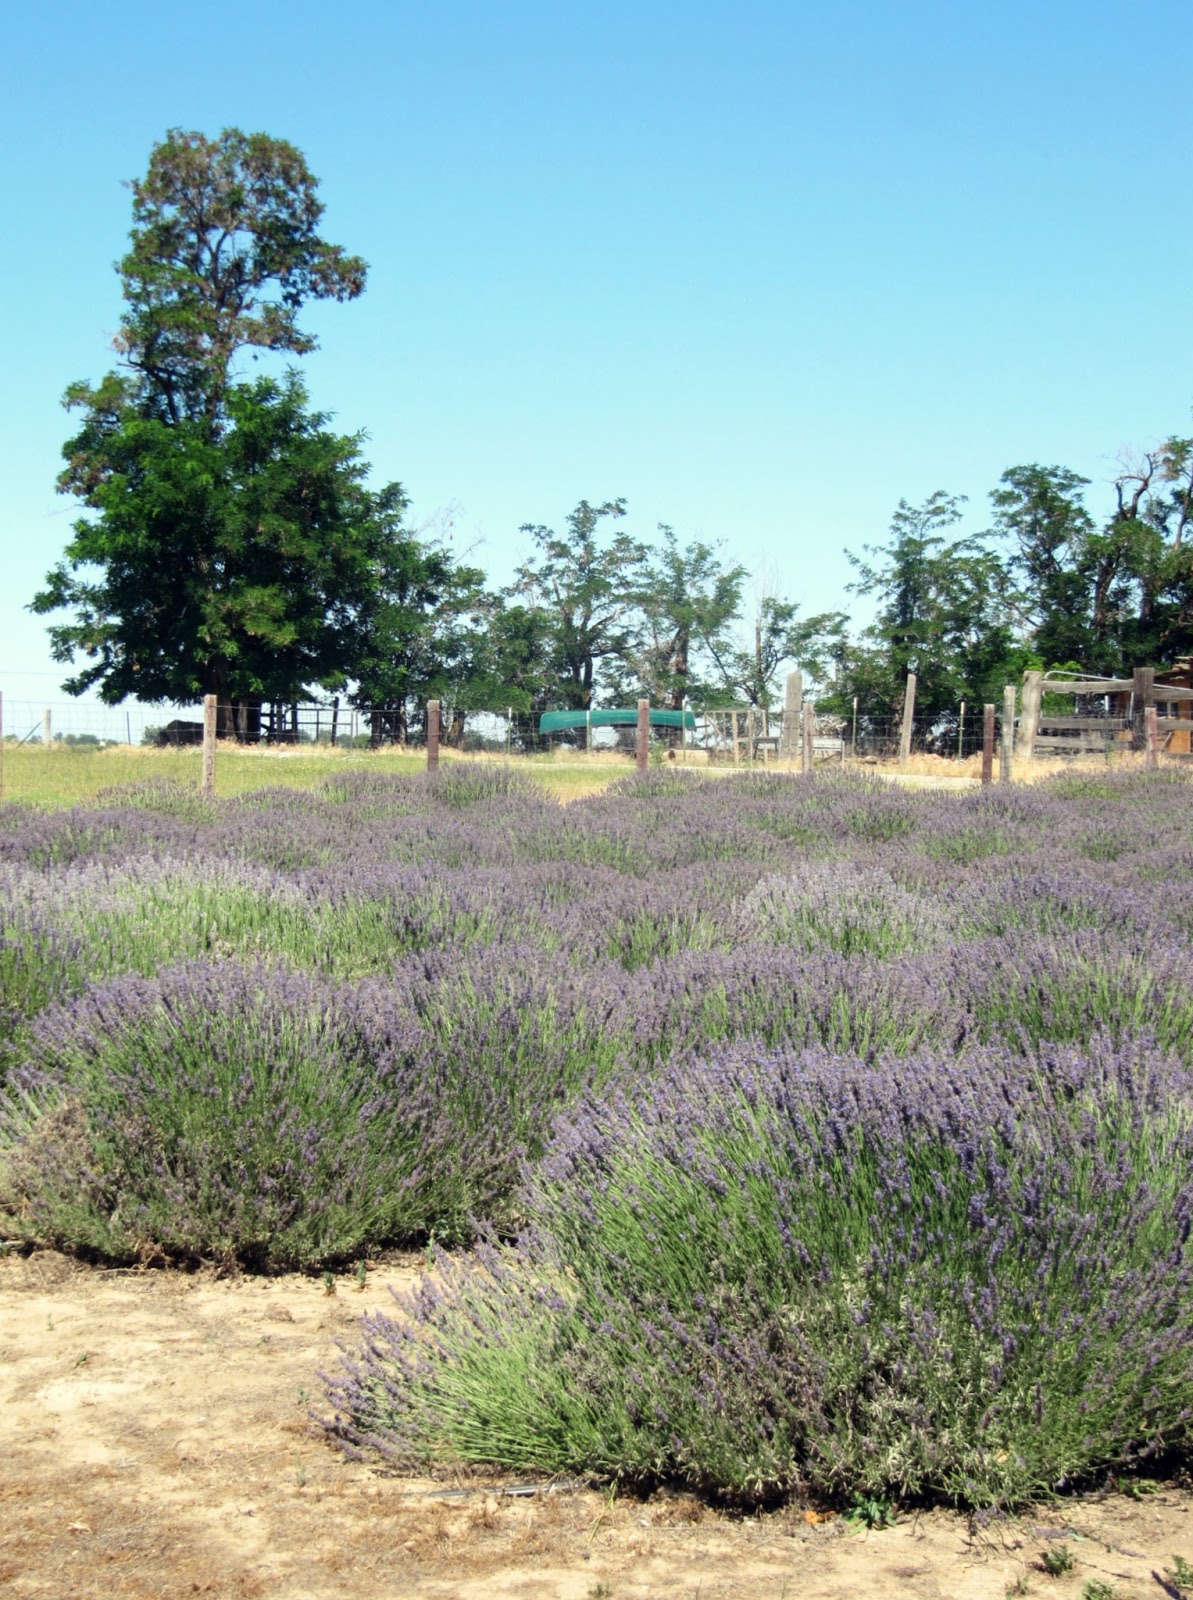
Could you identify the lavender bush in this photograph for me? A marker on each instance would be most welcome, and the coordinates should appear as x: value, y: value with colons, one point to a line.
x: 926, y: 1233
x: 248, y: 1114
x: 965, y: 1278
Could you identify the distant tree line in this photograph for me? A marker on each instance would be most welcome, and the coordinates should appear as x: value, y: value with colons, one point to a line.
x: 231, y: 544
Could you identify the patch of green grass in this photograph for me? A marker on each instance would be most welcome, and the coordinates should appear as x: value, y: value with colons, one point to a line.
x: 74, y: 775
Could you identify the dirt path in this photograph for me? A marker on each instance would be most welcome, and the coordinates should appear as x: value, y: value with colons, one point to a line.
x: 156, y: 1443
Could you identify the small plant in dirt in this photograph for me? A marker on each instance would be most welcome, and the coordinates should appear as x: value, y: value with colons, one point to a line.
x: 871, y: 1512
x: 1180, y: 1575
x: 1020, y: 1585
x: 1057, y: 1560
x: 1098, y: 1589
x: 1138, y: 1488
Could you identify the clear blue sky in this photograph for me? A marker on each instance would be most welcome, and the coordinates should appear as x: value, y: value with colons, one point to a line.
x: 762, y: 269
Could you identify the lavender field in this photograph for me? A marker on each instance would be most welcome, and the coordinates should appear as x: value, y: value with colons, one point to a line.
x: 784, y: 1134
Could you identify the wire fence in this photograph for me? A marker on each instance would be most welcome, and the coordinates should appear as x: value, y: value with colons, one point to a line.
x: 741, y: 736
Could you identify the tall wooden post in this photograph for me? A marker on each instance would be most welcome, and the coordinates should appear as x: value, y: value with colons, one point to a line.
x: 1006, y: 744
x: 432, y: 735
x: 793, y: 707
x: 643, y: 734
x: 808, y: 734
x: 1029, y: 716
x: 988, y: 746
x: 736, y: 748
x: 751, y: 735
x: 1152, y: 731
x: 908, y: 715
x: 1143, y: 695
x: 46, y: 728
x: 210, y: 712
x: 335, y: 720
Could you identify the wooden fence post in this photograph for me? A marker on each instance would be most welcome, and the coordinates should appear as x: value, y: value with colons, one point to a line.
x: 643, y: 734
x: 809, y: 733
x: 793, y: 707
x: 1007, y: 742
x: 1029, y: 716
x: 908, y: 714
x: 210, y: 709
x: 1143, y: 695
x: 432, y: 735
x: 736, y: 757
x: 1153, y: 738
x: 46, y: 728
x: 988, y: 745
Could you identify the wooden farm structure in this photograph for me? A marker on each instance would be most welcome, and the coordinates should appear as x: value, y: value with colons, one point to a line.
x: 1151, y: 710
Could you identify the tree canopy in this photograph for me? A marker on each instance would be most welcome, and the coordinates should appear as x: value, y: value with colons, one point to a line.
x: 231, y: 541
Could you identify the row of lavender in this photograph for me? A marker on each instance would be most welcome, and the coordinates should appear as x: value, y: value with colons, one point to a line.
x: 824, y: 1134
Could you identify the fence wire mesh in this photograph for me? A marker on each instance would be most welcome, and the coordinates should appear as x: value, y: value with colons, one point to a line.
x: 736, y: 736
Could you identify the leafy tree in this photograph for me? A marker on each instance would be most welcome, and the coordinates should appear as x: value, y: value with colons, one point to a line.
x: 225, y: 252
x: 1040, y: 512
x: 1169, y: 512
x: 230, y: 539
x: 781, y: 637
x: 944, y: 613
x: 419, y: 636
x: 239, y: 566
x: 588, y: 590
x: 688, y: 600
x: 1115, y: 595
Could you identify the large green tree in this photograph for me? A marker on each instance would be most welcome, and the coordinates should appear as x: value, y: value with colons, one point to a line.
x: 587, y: 588
x: 422, y: 638
x: 945, y: 611
x: 1110, y: 595
x: 689, y: 600
x: 242, y: 565
x: 228, y: 535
